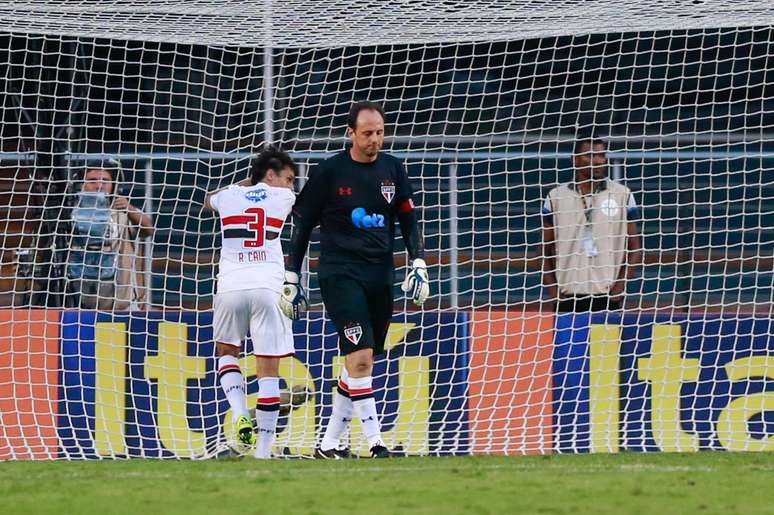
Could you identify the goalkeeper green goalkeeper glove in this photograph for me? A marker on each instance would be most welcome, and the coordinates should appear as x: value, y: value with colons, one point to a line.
x: 417, y: 285
x: 292, y: 299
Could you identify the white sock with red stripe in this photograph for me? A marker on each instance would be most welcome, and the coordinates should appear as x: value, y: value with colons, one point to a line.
x: 266, y: 415
x: 230, y: 378
x: 362, y: 395
x: 341, y: 415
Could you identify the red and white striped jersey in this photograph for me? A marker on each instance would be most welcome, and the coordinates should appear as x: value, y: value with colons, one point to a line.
x: 251, y: 221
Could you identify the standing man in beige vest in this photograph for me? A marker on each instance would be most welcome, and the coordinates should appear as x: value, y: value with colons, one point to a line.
x: 591, y: 240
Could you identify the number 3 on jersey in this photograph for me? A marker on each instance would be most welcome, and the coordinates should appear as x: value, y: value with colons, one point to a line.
x: 263, y: 226
x: 258, y: 225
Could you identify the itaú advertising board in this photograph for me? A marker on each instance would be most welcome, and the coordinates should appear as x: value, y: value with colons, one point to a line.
x: 663, y: 383
x: 93, y: 385
x: 144, y: 385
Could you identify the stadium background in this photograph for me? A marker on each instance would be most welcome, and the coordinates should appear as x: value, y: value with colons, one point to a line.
x: 686, y: 112
x: 689, y: 113
x: 486, y: 130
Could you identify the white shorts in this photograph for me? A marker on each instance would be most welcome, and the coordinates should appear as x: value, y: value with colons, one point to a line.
x: 257, y: 310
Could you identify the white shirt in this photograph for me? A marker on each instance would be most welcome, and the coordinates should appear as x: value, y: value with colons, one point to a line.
x: 251, y: 219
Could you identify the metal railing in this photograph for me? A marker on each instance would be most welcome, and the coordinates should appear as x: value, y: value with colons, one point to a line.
x: 446, y: 158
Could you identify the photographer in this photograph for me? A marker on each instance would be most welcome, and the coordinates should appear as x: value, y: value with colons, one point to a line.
x: 104, y: 266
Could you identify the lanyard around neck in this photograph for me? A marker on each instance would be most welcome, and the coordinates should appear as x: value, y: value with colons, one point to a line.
x: 588, y: 201
x: 588, y: 206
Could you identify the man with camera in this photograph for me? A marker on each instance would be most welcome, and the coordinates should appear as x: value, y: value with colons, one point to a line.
x: 104, y: 266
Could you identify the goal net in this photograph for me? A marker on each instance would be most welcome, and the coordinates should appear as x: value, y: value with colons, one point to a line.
x: 106, y: 346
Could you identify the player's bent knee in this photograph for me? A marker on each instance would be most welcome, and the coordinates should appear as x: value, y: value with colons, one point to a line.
x: 227, y: 349
x: 360, y: 368
x: 360, y: 363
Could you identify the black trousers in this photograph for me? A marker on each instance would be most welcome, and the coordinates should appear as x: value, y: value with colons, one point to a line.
x: 586, y: 303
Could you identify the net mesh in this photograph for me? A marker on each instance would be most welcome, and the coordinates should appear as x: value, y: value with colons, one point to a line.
x: 350, y: 23
x: 484, y: 100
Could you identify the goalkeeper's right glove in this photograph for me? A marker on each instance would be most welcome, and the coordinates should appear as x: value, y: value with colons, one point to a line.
x: 292, y: 300
x: 417, y: 285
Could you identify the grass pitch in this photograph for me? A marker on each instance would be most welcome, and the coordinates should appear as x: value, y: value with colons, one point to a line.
x: 663, y: 484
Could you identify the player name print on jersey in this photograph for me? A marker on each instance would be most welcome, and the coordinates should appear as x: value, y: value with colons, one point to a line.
x: 388, y: 190
x: 353, y: 333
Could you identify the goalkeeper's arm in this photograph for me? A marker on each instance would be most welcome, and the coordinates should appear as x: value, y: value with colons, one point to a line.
x: 409, y: 229
x: 417, y: 284
x: 299, y: 242
x: 293, y: 300
x: 306, y: 216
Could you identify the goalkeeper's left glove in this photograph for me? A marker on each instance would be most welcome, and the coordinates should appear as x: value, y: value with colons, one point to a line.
x: 417, y: 285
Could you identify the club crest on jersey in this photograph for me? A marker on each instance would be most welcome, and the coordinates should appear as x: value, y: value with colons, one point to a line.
x: 256, y: 195
x: 353, y: 333
x: 388, y: 191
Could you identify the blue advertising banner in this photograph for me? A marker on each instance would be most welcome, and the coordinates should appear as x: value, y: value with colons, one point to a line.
x: 659, y: 383
x: 144, y: 384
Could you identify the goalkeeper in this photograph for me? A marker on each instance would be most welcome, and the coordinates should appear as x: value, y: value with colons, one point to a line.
x: 355, y: 197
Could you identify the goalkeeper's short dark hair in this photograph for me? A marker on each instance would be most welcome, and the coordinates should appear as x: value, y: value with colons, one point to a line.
x: 270, y: 158
x: 363, y: 106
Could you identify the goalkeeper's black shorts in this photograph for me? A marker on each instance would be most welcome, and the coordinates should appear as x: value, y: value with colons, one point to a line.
x: 361, y: 312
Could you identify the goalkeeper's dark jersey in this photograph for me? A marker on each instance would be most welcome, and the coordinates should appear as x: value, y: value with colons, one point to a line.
x: 356, y: 205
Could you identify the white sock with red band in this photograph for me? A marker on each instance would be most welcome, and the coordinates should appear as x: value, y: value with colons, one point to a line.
x: 232, y: 382
x: 362, y: 395
x: 266, y: 415
x: 341, y: 416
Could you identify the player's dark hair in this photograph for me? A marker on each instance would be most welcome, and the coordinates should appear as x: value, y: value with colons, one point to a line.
x: 270, y: 158
x: 354, y: 111
x: 587, y: 139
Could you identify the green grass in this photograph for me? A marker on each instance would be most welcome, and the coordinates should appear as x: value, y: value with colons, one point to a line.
x: 626, y: 483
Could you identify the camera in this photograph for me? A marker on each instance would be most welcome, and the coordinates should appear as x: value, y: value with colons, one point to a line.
x: 91, y: 257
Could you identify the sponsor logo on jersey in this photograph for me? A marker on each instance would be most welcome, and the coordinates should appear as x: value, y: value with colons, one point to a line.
x: 353, y: 333
x: 345, y: 191
x: 256, y: 195
x: 362, y: 220
x: 388, y: 191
